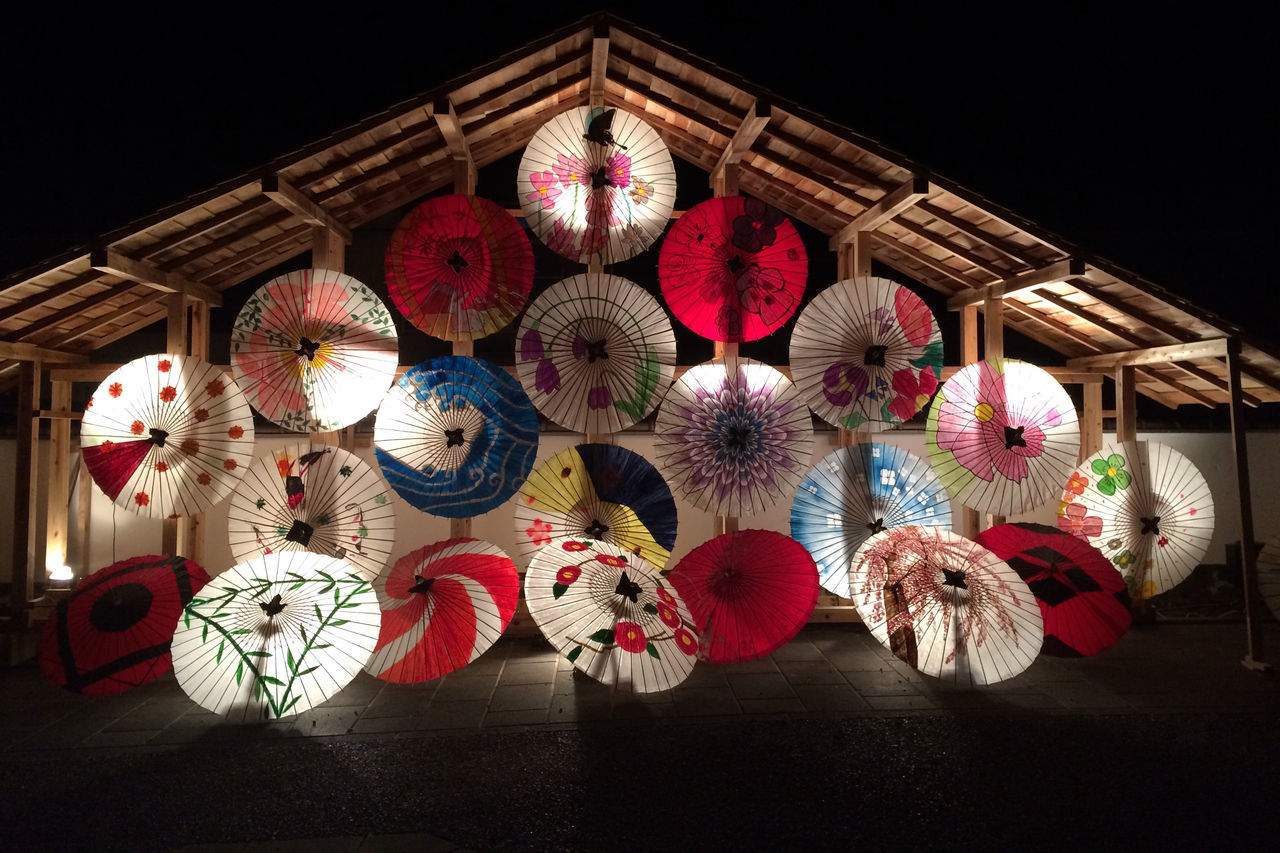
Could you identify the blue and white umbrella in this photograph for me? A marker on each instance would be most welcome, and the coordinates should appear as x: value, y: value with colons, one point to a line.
x: 456, y: 436
x: 855, y: 492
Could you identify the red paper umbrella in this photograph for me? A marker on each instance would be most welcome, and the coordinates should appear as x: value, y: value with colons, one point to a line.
x: 1083, y: 599
x: 749, y: 592
x: 442, y: 607
x: 733, y: 269
x: 459, y: 267
x: 114, y: 630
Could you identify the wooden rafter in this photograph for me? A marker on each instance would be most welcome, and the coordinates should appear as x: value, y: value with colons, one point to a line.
x: 301, y: 205
x: 50, y: 323
x: 1212, y: 348
x: 35, y: 300
x: 116, y: 263
x: 31, y: 352
x: 894, y: 202
x: 1055, y: 272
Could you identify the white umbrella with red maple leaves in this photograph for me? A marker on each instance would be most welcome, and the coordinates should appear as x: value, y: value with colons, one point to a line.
x: 167, y: 436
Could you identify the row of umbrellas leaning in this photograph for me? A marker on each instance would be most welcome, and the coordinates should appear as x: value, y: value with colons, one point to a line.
x: 316, y: 598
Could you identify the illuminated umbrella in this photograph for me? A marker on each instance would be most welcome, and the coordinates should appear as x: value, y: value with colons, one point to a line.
x: 1269, y: 574
x: 1083, y: 599
x: 442, y: 607
x: 459, y: 267
x: 596, y: 353
x: 611, y: 615
x: 601, y: 492
x: 733, y: 269
x: 946, y: 605
x: 596, y: 184
x: 311, y: 497
x: 456, y: 436
x: 113, y: 631
x: 866, y: 354
x: 1147, y: 507
x: 1002, y: 436
x: 855, y: 492
x: 167, y: 436
x: 734, y: 435
x: 314, y: 350
x: 275, y: 636
x: 750, y: 592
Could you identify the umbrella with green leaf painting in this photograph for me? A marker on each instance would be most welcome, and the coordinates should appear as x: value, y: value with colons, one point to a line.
x: 275, y: 636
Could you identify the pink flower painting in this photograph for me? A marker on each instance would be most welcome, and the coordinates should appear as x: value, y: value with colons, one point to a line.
x: 986, y: 434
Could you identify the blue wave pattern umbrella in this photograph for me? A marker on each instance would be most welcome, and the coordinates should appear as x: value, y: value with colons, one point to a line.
x: 456, y: 436
x: 855, y: 492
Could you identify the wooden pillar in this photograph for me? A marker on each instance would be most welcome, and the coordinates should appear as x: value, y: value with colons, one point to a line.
x: 328, y: 252
x: 176, y: 333
x: 57, y: 522
x: 725, y: 182
x: 1091, y: 422
x: 1126, y: 404
x: 993, y: 347
x: 25, y: 485
x: 84, y: 503
x: 853, y: 260
x: 1253, y: 658
x: 968, y: 355
x: 191, y: 530
x: 725, y: 523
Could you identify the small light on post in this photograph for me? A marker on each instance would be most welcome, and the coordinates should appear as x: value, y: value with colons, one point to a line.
x: 61, y: 574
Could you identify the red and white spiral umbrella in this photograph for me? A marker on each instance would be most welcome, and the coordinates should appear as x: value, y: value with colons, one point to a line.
x: 314, y: 350
x: 167, y: 436
x: 442, y: 606
x: 596, y: 184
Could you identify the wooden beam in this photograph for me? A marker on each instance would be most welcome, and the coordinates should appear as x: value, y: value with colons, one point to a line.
x: 1212, y: 348
x: 47, y: 295
x: 25, y: 485
x: 31, y: 352
x: 191, y: 530
x: 176, y: 331
x: 58, y: 483
x: 757, y: 118
x: 1064, y: 375
x: 84, y: 502
x: 294, y: 200
x: 599, y: 64
x: 111, y: 261
x: 1055, y: 272
x: 327, y: 250
x: 861, y: 261
x: 52, y: 321
x: 455, y: 141
x: 1253, y: 658
x: 894, y: 202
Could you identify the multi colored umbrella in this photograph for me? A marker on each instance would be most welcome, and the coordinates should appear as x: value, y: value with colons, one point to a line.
x: 314, y: 350
x: 311, y: 497
x: 867, y: 354
x: 600, y: 492
x: 734, y: 435
x: 167, y: 436
x: 459, y: 267
x: 750, y: 592
x: 596, y: 184
x: 442, y: 607
x: 113, y: 631
x: 733, y: 269
x: 1083, y: 599
x: 611, y: 614
x: 854, y: 493
x: 456, y: 436
x: 1269, y: 574
x: 275, y: 636
x: 596, y: 353
x: 946, y: 605
x: 1002, y: 436
x: 1147, y: 507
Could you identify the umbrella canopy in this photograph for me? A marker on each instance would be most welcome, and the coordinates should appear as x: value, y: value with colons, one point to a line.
x: 312, y: 497
x: 1002, y: 436
x: 113, y: 631
x: 1147, y: 507
x: 596, y: 184
x: 314, y: 350
x: 854, y: 493
x: 733, y: 269
x: 750, y: 592
x: 596, y: 353
x: 459, y: 267
x: 1083, y: 599
x: 1269, y: 574
x: 734, y: 435
x: 600, y: 492
x: 866, y: 353
x: 442, y: 607
x: 275, y: 636
x: 167, y: 436
x: 611, y: 614
x: 946, y: 605
x: 456, y: 436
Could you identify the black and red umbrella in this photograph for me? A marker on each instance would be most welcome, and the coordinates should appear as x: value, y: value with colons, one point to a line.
x: 114, y: 630
x: 1083, y: 599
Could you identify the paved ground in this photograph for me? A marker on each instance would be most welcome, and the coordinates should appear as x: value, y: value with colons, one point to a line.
x: 829, y: 742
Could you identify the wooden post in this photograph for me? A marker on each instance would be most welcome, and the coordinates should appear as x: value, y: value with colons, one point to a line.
x: 328, y: 252
x: 59, y: 481
x: 176, y: 331
x: 25, y: 486
x: 993, y: 347
x: 191, y: 529
x: 84, y: 503
x: 1091, y: 425
x: 968, y: 355
x: 853, y: 260
x: 725, y: 349
x: 1126, y: 404
x: 1253, y: 658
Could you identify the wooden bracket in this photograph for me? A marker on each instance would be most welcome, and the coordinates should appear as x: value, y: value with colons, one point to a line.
x: 31, y: 352
x: 110, y: 261
x: 753, y: 124
x: 894, y: 202
x: 1055, y: 272
x: 464, y: 166
x: 300, y: 204
x: 599, y: 64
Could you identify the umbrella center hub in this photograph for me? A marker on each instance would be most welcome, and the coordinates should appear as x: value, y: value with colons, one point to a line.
x: 158, y: 437
x: 596, y: 350
x: 874, y: 356
x: 454, y: 438
x: 596, y: 529
x: 121, y: 607
x: 1151, y: 525
x: 600, y: 178
x: 739, y: 438
x: 307, y: 348
x: 456, y: 262
x: 876, y: 526
x: 421, y: 585
x: 956, y: 579
x: 273, y: 607
x: 628, y: 588
x: 736, y: 264
x: 1013, y: 438
x: 300, y: 532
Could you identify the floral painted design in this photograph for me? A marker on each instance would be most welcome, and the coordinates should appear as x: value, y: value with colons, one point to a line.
x: 757, y: 227
x: 610, y: 560
x: 545, y: 190
x: 190, y: 447
x: 164, y: 365
x: 630, y: 637
x: 215, y: 388
x: 236, y: 432
x: 562, y: 239
x: 547, y: 379
x: 686, y: 642
x: 1113, y: 544
x: 668, y: 615
x: 573, y: 545
x: 116, y: 389
x: 230, y: 464
x: 162, y: 467
x: 203, y: 478
x: 1111, y: 473
x: 142, y: 499
x: 1079, y: 523
x: 202, y: 415
x: 539, y: 532
x: 571, y: 169
x: 137, y: 428
x: 1077, y: 484
x: 599, y: 397
x: 641, y: 190
x: 913, y: 392
x: 1124, y: 560
x: 168, y: 394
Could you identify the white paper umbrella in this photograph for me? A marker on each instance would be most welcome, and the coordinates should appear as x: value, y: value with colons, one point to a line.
x: 596, y: 353
x: 167, y: 436
x: 314, y: 350
x: 856, y: 492
x: 1003, y: 436
x: 311, y: 497
x: 946, y: 605
x: 611, y: 615
x: 597, y: 184
x: 866, y: 353
x: 1269, y: 574
x: 1146, y: 507
x: 275, y: 636
x: 734, y: 436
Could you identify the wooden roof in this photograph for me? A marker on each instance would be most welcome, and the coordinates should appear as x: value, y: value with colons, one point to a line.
x: 943, y: 235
